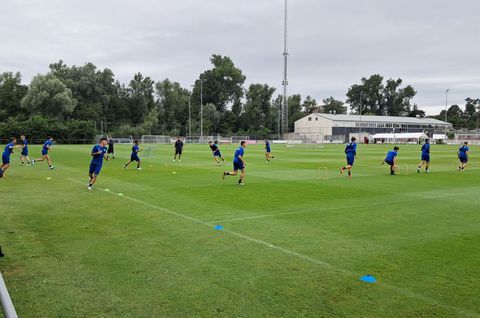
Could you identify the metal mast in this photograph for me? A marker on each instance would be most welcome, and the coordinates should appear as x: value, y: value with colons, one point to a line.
x: 285, y: 75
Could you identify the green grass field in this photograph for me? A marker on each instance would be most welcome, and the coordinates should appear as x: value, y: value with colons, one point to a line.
x: 295, y: 243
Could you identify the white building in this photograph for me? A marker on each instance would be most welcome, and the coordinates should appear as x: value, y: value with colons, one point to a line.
x: 340, y: 127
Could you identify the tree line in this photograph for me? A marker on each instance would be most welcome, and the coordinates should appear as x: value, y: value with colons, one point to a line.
x: 70, y: 102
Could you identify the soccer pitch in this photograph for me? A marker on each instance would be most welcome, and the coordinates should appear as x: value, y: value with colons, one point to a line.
x: 295, y: 240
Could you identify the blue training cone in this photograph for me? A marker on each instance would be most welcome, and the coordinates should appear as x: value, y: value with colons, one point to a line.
x: 218, y: 227
x: 368, y: 279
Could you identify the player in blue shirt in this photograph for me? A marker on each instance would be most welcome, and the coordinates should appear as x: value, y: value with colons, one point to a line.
x: 134, y: 156
x: 7, y: 152
x: 351, y: 152
x: 98, y: 154
x: 24, y: 154
x: 46, y: 148
x: 217, y: 155
x: 238, y: 163
x: 463, y: 156
x: 391, y: 160
x: 425, y: 156
x: 268, y: 151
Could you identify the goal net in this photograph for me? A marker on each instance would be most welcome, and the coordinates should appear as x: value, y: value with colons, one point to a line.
x: 155, y: 139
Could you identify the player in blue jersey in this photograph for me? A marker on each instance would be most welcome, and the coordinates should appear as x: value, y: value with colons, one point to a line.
x: 98, y: 154
x: 134, y: 156
x: 24, y: 153
x: 425, y: 156
x: 46, y: 149
x: 351, y: 152
x: 463, y: 156
x: 7, y: 152
x: 217, y: 155
x: 268, y: 151
x: 238, y: 163
x: 391, y: 160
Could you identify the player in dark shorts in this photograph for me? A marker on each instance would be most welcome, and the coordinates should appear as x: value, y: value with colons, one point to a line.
x: 217, y: 155
x: 463, y: 156
x: 110, y: 150
x: 178, y: 149
x: 391, y: 160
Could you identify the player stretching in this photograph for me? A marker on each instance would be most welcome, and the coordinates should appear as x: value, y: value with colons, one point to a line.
x: 238, y: 163
x: 178, y: 149
x: 47, y: 147
x: 425, y: 157
x: 24, y: 154
x: 217, y: 155
x: 391, y: 160
x: 98, y: 154
x: 6, y: 156
x: 268, y: 151
x: 351, y: 152
x: 134, y: 156
x: 463, y: 156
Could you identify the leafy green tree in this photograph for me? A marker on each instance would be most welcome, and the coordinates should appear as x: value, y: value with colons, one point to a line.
x: 173, y: 105
x: 11, y: 93
x: 294, y: 110
x: 373, y: 96
x: 258, y: 107
x: 141, y: 97
x: 222, y: 85
x: 416, y: 112
x: 48, y: 96
x: 211, y: 119
x: 94, y: 90
x: 309, y: 105
x: 333, y: 106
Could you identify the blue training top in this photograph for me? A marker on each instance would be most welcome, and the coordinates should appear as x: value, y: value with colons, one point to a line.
x: 98, y: 158
x: 47, y: 144
x: 25, y: 144
x: 351, y: 149
x: 462, y: 151
x: 391, y: 155
x: 239, y: 152
x: 135, y: 149
x: 8, y: 150
x: 426, y: 149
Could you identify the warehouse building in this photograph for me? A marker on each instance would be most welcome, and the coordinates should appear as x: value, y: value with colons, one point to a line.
x: 339, y: 128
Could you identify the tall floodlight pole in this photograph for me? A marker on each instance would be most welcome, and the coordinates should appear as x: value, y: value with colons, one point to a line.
x: 201, y: 109
x: 190, y: 115
x: 446, y: 110
x: 360, y: 123
x: 285, y: 74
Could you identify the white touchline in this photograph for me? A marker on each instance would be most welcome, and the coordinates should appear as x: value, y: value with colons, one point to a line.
x: 312, y: 260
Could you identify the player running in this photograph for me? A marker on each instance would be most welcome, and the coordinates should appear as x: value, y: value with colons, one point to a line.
x: 134, y: 156
x: 268, y: 151
x: 217, y: 155
x: 425, y: 157
x: 178, y: 149
x: 391, y: 160
x: 111, y: 150
x: 24, y: 153
x: 46, y: 148
x: 7, y: 152
x: 351, y: 152
x: 238, y: 163
x: 98, y: 154
x: 463, y: 156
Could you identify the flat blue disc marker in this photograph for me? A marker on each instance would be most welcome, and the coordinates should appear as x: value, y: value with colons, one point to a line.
x: 218, y: 227
x: 368, y: 279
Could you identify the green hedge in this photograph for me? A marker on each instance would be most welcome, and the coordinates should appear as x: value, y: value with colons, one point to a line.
x: 38, y: 128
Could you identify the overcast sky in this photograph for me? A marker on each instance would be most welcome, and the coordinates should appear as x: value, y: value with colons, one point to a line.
x: 431, y: 44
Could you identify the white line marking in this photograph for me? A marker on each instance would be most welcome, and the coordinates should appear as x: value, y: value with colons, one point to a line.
x: 312, y: 260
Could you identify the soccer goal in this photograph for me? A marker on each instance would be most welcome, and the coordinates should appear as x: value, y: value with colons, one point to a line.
x: 155, y: 139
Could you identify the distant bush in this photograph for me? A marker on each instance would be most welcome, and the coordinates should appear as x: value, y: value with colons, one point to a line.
x: 38, y: 128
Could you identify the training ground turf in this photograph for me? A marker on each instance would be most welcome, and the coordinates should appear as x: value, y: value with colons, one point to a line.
x: 295, y: 239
